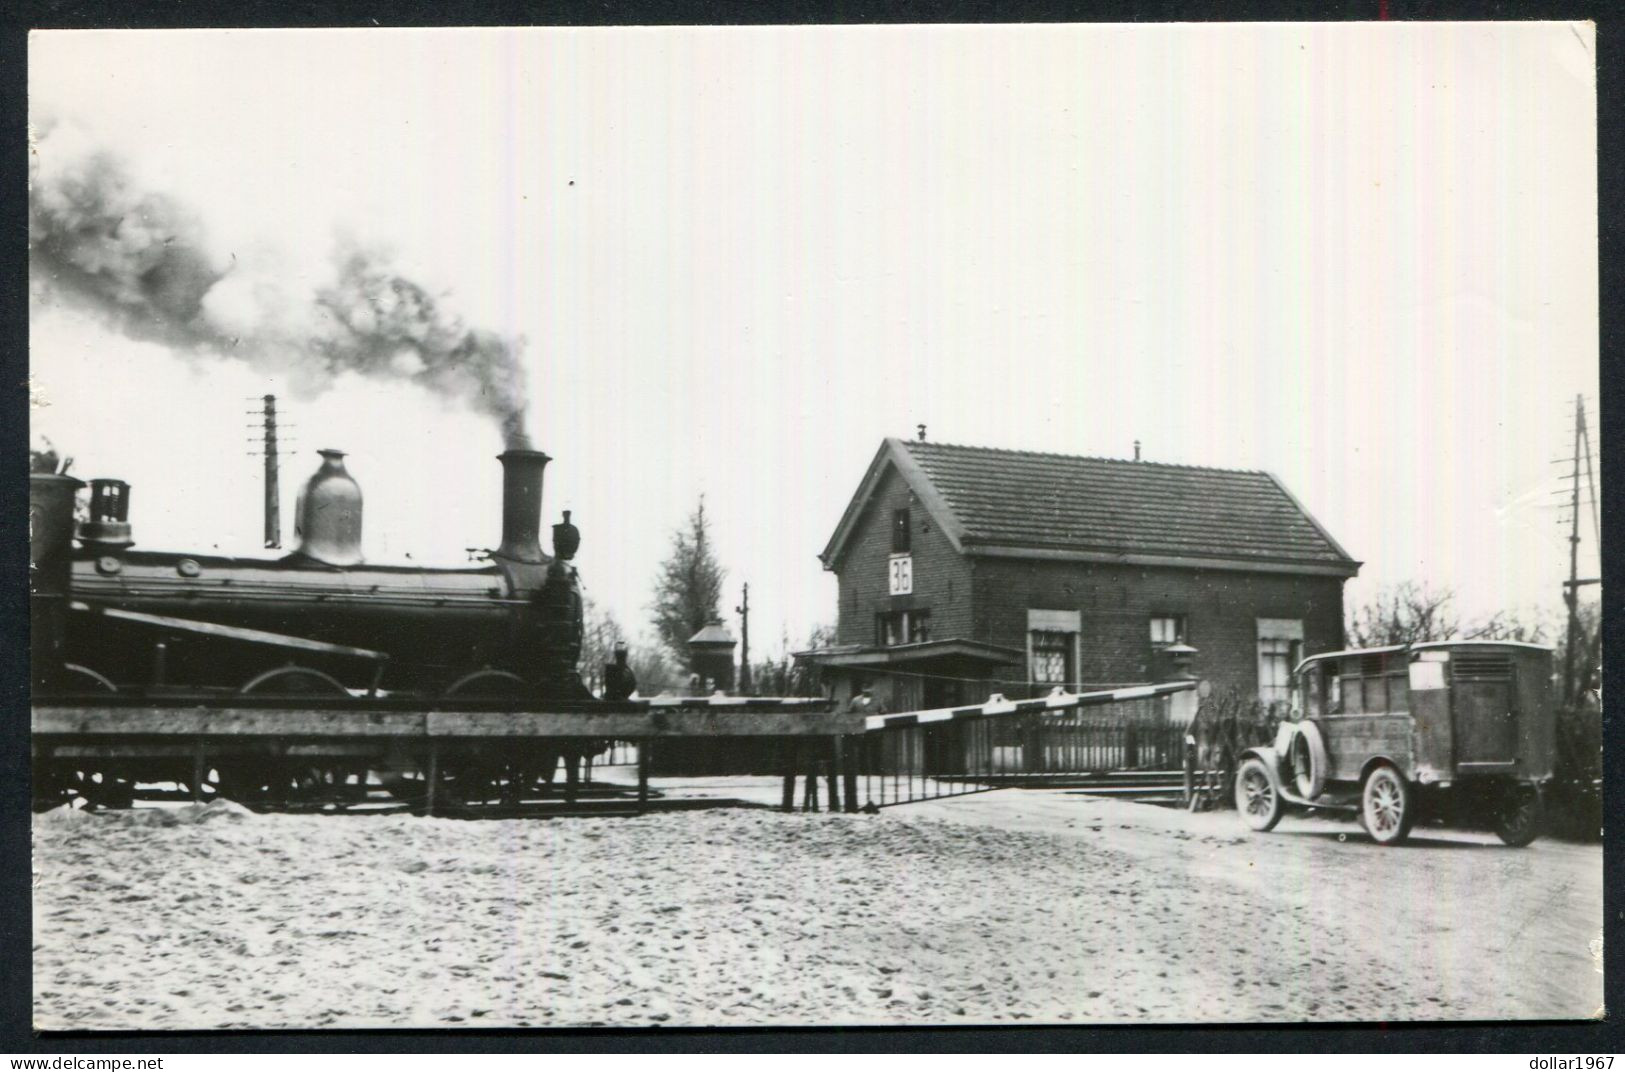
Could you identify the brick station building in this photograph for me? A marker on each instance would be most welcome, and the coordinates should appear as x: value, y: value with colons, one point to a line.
x: 966, y: 570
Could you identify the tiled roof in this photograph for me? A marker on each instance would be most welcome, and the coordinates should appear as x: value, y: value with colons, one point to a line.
x: 1019, y: 498
x: 715, y: 633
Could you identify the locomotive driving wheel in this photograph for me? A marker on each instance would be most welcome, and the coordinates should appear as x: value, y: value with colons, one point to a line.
x: 62, y: 781
x: 488, y: 683
x: 482, y: 779
x: 282, y: 779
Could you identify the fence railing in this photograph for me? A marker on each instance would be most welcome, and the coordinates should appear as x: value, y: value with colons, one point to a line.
x: 925, y: 755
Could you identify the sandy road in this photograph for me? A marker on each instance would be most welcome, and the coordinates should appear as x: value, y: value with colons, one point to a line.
x: 1451, y: 919
x: 1003, y: 907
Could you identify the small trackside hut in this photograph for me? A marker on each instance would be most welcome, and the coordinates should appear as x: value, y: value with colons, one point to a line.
x: 1459, y: 729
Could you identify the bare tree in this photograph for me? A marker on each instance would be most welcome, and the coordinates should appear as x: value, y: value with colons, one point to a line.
x: 654, y: 671
x: 649, y: 665
x: 600, y: 634
x: 1588, y: 657
x: 780, y: 675
x: 1508, y: 625
x: 688, y: 589
x: 1410, y: 613
x: 1407, y: 613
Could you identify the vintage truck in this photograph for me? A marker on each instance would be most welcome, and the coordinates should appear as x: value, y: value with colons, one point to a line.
x: 1459, y: 729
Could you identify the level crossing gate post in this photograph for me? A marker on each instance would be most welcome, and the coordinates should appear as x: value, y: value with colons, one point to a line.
x: 431, y: 779
x: 788, y: 751
x: 834, y: 773
x: 572, y: 776
x: 809, y: 772
x: 645, y: 747
x: 1190, y: 771
x: 849, y: 772
x: 279, y: 766
x: 198, y: 771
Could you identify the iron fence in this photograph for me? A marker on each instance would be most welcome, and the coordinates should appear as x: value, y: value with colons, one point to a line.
x: 928, y: 755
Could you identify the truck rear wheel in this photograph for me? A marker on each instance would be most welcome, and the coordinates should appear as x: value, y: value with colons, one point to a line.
x: 1258, y: 798
x: 1388, y: 806
x: 1520, y: 815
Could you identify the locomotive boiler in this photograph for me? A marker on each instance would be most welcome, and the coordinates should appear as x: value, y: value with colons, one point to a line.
x: 321, y: 622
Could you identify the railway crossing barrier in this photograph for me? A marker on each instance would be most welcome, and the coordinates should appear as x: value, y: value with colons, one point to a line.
x: 479, y: 755
x: 1122, y: 742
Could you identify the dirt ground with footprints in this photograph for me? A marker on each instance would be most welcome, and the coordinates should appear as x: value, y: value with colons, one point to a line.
x: 1003, y: 907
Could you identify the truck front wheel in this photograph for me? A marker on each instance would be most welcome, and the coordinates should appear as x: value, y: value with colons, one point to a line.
x: 1258, y: 797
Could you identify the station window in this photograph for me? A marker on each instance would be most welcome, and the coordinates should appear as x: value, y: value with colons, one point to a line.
x: 1280, y: 648
x: 1167, y: 629
x: 1053, y: 648
x: 902, y: 627
x: 1052, y: 657
x: 900, y: 533
x: 1274, y: 668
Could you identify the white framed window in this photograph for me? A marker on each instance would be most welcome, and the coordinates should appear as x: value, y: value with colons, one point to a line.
x: 1167, y: 629
x: 902, y: 627
x: 1280, y: 648
x: 1053, y: 646
x: 1051, y: 657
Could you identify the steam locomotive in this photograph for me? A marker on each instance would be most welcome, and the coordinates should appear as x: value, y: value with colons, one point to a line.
x: 177, y: 627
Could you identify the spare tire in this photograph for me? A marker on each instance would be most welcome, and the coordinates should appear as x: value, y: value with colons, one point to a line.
x: 1307, y: 757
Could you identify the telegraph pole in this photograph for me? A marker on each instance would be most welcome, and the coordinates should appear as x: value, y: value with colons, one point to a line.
x: 273, y: 492
x: 1571, y: 587
x: 1571, y: 591
x: 267, y: 440
x: 743, y: 610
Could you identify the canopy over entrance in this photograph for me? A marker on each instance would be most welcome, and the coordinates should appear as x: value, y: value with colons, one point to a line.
x: 903, y: 677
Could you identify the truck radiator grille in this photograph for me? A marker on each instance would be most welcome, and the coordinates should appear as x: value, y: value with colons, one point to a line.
x: 1481, y: 666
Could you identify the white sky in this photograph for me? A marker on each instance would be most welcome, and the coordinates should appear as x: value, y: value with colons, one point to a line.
x: 1360, y: 256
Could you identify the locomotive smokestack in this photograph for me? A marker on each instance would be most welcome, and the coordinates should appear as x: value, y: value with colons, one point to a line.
x: 522, y: 504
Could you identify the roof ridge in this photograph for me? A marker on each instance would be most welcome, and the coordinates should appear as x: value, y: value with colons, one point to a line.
x: 912, y: 443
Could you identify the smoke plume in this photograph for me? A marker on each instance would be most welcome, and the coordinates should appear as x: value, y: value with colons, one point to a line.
x: 143, y: 262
